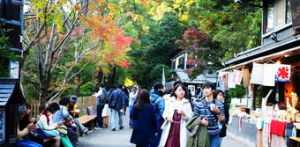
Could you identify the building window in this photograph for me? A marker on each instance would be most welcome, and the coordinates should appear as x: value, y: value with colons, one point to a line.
x: 173, y: 64
x: 288, y: 11
x: 277, y: 14
x: 14, y: 69
x: 270, y: 18
x: 181, y: 62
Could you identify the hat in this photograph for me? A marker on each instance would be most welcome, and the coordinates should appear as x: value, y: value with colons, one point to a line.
x: 22, y: 109
x: 73, y: 98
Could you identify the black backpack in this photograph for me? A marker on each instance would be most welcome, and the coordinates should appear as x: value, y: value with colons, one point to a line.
x: 102, y: 99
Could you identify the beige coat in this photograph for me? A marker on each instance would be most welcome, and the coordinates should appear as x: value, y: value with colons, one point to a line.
x: 170, y: 106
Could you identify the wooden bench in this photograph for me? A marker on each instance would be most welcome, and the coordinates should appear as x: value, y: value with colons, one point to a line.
x: 294, y: 142
x: 89, y: 120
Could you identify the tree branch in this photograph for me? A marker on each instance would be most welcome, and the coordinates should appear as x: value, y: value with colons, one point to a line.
x: 60, y: 44
x: 35, y: 39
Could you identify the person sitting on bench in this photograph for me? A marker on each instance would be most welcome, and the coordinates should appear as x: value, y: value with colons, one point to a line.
x: 74, y: 111
x: 25, y: 126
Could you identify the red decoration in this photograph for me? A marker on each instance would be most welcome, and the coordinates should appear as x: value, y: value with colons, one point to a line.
x: 283, y: 73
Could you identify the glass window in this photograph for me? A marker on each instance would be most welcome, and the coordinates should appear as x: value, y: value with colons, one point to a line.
x: 173, y: 64
x: 288, y: 11
x: 14, y: 69
x: 181, y: 63
x: 270, y: 18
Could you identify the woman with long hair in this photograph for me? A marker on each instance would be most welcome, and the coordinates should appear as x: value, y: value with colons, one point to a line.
x: 46, y: 124
x: 177, y: 112
x: 144, y: 123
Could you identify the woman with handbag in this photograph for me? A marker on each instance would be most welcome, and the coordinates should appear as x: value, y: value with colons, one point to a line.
x: 144, y: 125
x: 177, y: 112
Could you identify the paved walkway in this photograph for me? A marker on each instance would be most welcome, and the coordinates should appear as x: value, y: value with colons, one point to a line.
x: 107, y: 138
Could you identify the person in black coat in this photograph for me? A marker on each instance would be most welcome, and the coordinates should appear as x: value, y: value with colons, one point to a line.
x: 221, y: 97
x: 144, y: 122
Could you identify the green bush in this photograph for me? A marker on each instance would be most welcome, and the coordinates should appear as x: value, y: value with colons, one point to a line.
x: 87, y: 89
x: 238, y: 92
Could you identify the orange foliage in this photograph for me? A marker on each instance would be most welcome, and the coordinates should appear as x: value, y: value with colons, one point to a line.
x: 105, y: 29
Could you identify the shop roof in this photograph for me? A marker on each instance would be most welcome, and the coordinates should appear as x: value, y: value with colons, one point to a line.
x: 264, y: 50
x: 6, y: 90
x: 183, y: 76
x: 9, y: 87
x: 203, y: 78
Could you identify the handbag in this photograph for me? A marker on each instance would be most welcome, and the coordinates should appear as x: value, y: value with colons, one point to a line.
x: 105, y: 111
x: 62, y: 130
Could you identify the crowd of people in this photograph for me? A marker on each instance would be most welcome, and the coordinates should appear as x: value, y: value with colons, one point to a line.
x: 157, y: 118
x: 174, y: 119
x: 57, y: 125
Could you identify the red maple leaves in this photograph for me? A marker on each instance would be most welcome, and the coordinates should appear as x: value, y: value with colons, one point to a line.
x: 121, y: 41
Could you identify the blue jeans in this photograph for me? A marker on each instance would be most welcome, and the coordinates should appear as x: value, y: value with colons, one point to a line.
x: 27, y: 143
x: 114, y: 119
x: 120, y: 119
x: 215, y: 140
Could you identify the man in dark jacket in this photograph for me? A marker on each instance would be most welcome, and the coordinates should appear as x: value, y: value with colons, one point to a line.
x: 158, y: 104
x: 101, y: 99
x: 117, y: 103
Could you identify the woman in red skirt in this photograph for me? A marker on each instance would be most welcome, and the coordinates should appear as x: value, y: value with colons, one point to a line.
x: 177, y: 112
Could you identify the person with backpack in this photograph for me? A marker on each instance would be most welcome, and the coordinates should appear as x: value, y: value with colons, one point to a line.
x: 117, y: 105
x: 101, y: 100
x: 210, y: 111
x: 158, y: 104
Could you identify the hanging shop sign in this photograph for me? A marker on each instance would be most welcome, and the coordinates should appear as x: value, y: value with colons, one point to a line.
x: 268, y: 74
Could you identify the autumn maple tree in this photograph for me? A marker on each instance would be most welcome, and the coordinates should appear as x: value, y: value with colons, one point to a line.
x: 64, y: 38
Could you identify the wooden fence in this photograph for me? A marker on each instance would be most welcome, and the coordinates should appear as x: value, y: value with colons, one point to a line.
x: 82, y: 102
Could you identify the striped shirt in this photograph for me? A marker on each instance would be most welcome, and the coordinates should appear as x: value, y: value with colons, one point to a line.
x: 202, y: 109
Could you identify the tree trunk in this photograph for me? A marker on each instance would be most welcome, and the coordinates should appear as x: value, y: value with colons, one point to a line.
x: 100, y: 76
x: 113, y: 76
x: 43, y: 95
x: 78, y: 82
